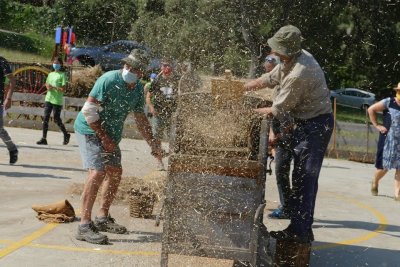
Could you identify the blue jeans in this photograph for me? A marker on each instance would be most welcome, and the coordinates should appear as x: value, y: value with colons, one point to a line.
x: 283, y: 157
x: 311, y: 138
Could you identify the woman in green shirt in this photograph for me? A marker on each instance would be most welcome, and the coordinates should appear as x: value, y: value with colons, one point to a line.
x: 55, y: 84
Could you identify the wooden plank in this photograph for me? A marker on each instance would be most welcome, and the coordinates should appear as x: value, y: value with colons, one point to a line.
x: 230, y: 152
x: 38, y: 111
x: 27, y: 97
x: 217, y: 166
x: 67, y: 114
x: 75, y: 102
x: 209, y: 251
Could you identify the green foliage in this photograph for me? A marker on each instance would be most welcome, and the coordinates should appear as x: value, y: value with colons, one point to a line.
x: 199, y: 31
x: 357, y: 43
x: 353, y: 115
x: 25, y: 18
x: 17, y: 55
x: 236, y: 60
x: 29, y: 42
x: 97, y: 21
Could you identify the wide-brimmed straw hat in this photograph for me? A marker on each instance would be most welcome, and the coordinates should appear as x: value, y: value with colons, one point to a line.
x: 138, y: 59
x: 286, y: 41
x: 397, y: 88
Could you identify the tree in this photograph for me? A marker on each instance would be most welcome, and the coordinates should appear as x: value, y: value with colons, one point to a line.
x: 97, y: 21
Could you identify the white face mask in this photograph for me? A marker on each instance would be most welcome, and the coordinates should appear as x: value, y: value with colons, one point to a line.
x: 129, y: 77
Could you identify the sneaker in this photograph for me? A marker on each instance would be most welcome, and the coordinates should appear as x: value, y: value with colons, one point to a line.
x: 66, y: 139
x: 108, y: 224
x: 278, y: 214
x: 90, y: 233
x: 13, y: 157
x: 42, y: 141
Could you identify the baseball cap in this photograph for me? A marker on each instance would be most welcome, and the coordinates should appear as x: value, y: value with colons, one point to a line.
x: 138, y: 59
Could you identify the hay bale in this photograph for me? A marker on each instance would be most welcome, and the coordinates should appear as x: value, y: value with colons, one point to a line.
x: 125, y: 188
x: 82, y: 81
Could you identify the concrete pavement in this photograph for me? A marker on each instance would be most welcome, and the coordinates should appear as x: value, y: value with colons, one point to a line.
x: 351, y: 228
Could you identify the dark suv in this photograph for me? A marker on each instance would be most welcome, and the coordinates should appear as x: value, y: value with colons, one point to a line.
x: 109, y: 56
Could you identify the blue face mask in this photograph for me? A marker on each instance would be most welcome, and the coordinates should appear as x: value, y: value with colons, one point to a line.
x: 56, y: 66
x: 129, y: 77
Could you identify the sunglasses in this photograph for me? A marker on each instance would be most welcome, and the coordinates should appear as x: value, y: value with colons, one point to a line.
x: 270, y: 59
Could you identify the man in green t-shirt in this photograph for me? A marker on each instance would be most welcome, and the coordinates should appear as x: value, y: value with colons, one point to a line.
x: 98, y: 128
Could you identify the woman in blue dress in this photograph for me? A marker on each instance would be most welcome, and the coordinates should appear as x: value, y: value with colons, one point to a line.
x: 391, y: 150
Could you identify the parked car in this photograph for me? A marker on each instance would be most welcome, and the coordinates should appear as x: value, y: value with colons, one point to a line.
x: 109, y: 56
x: 352, y: 97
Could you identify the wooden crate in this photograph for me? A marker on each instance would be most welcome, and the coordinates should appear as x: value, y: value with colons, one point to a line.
x: 227, y: 92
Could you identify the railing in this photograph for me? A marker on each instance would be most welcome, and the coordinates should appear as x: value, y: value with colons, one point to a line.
x: 27, y: 112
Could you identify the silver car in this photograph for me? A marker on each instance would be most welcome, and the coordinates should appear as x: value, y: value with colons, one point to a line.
x: 354, y: 98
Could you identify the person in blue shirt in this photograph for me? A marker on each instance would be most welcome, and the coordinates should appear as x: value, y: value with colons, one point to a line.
x: 391, y: 148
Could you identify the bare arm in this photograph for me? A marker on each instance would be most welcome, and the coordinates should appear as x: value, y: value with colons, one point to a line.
x: 106, y: 141
x: 372, y: 110
x: 149, y: 104
x: 144, y: 128
x: 50, y: 87
x: 61, y: 89
x: 254, y: 85
x: 8, y: 100
x: 269, y: 79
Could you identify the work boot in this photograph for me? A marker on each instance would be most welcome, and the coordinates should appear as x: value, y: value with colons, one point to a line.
x: 13, y: 156
x: 42, y: 141
x: 89, y: 233
x: 66, y: 138
x: 288, y: 235
x: 108, y: 224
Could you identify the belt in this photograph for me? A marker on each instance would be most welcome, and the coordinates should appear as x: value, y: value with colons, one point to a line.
x: 303, y: 121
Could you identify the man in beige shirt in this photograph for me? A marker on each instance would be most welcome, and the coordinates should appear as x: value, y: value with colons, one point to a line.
x: 305, y: 97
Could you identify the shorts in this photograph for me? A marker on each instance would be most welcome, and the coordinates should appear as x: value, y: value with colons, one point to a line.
x: 93, y: 155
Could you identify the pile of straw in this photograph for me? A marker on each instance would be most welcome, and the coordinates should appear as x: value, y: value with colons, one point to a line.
x: 82, y: 81
x: 125, y: 188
